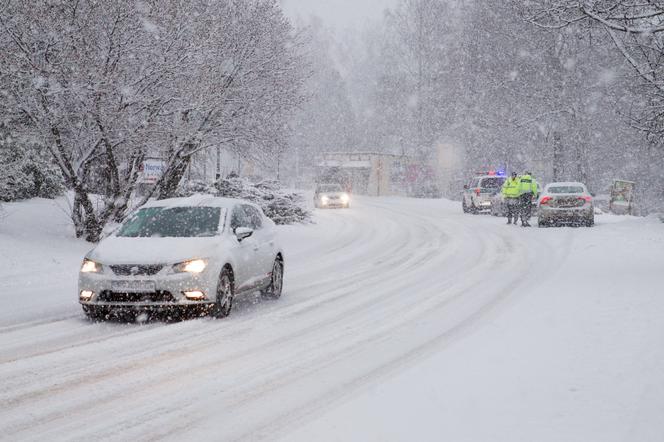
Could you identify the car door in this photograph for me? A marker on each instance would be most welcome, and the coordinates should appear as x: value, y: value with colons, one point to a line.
x: 244, y: 251
x: 264, y: 241
x: 466, y: 193
x: 470, y: 191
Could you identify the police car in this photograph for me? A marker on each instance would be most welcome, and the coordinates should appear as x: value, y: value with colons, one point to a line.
x: 478, y: 193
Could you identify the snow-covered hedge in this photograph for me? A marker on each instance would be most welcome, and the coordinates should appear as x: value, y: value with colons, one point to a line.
x: 27, y: 173
x: 280, y: 206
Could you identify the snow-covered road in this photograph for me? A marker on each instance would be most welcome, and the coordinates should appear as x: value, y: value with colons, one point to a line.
x: 402, y: 320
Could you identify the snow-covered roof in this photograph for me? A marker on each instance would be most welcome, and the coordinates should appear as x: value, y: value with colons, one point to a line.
x: 197, y: 200
x: 352, y: 164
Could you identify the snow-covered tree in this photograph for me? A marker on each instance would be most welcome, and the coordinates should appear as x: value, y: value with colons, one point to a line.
x: 106, y: 84
x: 326, y: 120
x: 508, y: 93
x: 634, y: 30
x: 411, y: 86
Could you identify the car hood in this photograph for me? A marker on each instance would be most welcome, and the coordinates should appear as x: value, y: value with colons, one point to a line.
x: 117, y: 250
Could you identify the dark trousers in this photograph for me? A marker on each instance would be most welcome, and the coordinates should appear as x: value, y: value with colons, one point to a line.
x: 525, y: 207
x: 512, y: 209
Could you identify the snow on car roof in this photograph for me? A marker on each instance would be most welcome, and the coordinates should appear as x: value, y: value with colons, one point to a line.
x: 197, y: 200
x: 566, y: 183
x: 489, y: 176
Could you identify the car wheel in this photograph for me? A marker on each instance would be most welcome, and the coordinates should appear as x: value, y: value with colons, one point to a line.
x: 590, y: 221
x: 273, y: 291
x: 464, y: 207
x: 93, y: 313
x: 472, y: 208
x: 542, y: 223
x: 224, y: 300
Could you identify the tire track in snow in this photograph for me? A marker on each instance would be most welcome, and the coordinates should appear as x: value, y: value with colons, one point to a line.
x: 123, y: 369
x: 343, y: 333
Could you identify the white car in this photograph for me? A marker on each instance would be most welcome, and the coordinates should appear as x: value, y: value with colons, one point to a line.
x: 478, y: 193
x: 328, y: 196
x: 181, y: 254
x: 565, y: 202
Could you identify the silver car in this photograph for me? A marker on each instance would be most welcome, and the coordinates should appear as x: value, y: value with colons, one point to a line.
x: 183, y: 254
x: 565, y: 202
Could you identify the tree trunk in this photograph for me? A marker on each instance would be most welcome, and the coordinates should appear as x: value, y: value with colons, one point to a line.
x: 84, y: 217
x: 172, y: 177
x: 558, y: 157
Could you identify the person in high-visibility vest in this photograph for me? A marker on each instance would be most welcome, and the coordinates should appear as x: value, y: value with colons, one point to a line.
x: 510, y: 192
x: 527, y: 192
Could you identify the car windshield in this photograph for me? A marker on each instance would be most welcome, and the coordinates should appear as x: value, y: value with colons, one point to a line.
x: 492, y: 183
x: 172, y: 222
x: 565, y: 189
x: 330, y: 188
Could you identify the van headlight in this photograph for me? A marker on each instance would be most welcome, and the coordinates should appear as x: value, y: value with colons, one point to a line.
x: 191, y: 266
x: 90, y: 266
x: 345, y: 198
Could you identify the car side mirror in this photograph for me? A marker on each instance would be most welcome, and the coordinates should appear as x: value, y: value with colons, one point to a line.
x: 243, y: 233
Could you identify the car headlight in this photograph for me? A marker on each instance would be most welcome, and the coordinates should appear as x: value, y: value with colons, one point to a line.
x: 345, y: 198
x: 90, y: 266
x: 324, y: 199
x: 192, y: 266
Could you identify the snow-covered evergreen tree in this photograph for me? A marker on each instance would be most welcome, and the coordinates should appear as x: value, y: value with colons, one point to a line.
x: 26, y: 170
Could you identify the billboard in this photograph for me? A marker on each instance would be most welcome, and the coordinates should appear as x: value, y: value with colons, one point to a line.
x: 151, y: 170
x: 622, y: 195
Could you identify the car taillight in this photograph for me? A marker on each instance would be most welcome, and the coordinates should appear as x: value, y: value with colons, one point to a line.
x: 545, y: 200
x: 477, y: 191
x: 586, y: 198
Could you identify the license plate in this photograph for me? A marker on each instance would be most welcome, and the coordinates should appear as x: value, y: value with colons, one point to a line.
x: 133, y: 286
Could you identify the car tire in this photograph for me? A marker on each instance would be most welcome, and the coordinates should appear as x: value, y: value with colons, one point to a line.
x: 93, y: 313
x: 224, y: 297
x: 273, y: 291
x: 542, y: 223
x: 472, y: 208
x: 590, y: 221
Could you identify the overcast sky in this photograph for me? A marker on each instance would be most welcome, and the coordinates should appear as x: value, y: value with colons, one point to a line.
x: 339, y: 14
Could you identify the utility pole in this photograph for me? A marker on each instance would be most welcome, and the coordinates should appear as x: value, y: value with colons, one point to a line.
x: 379, y: 176
x: 218, y: 173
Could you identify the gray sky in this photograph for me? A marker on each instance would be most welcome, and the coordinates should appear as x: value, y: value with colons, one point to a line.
x: 338, y: 14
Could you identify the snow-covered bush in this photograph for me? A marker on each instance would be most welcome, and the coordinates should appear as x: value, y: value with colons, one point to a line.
x: 25, y: 171
x: 280, y: 206
x: 14, y: 184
